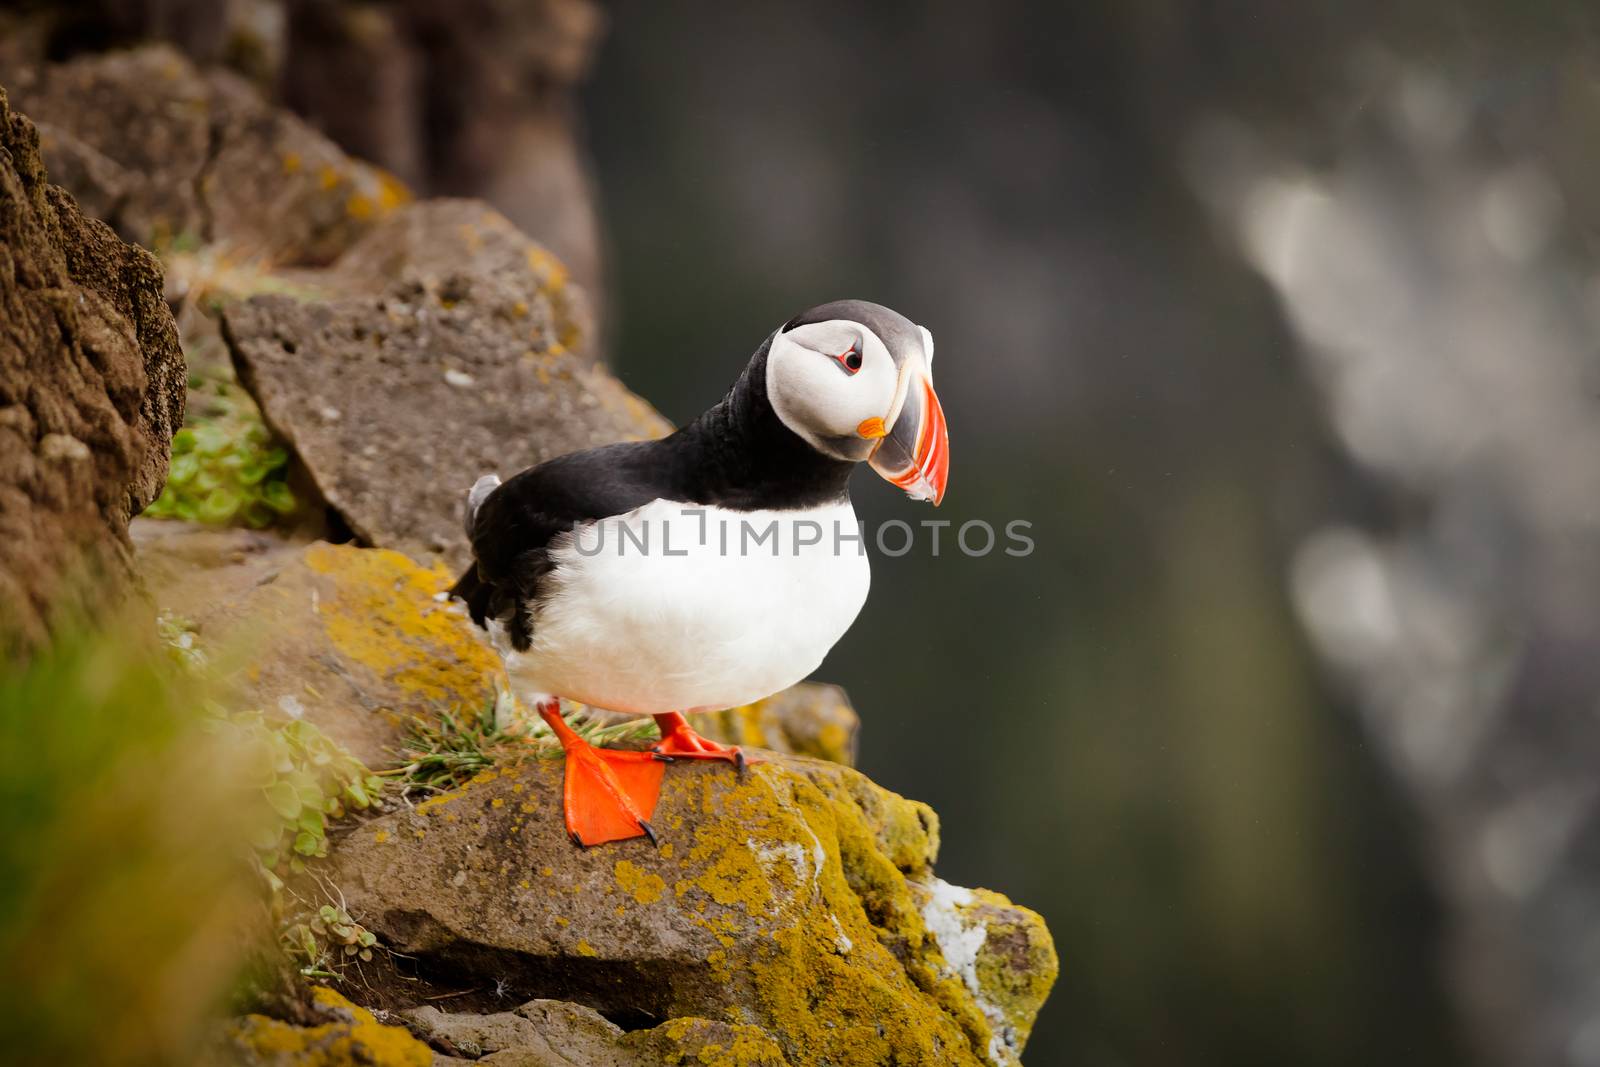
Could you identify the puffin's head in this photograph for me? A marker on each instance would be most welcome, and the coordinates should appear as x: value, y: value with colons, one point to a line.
x: 855, y: 381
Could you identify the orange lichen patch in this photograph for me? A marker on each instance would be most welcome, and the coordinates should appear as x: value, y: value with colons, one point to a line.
x: 586, y: 949
x: 327, y: 178
x: 643, y: 886
x: 384, y: 617
x: 381, y: 836
x: 360, y: 207
x: 291, y: 162
x: 351, y: 1036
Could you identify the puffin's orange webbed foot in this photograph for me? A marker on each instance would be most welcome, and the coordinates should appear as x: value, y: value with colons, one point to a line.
x: 680, y: 741
x: 608, y: 794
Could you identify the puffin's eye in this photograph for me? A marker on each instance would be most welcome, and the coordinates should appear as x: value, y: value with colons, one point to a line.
x: 851, y: 360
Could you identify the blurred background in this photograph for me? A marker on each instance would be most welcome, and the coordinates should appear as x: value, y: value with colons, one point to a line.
x: 1276, y: 320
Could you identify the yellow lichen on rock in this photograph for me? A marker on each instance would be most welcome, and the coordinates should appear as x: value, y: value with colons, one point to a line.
x: 792, y: 899
x: 351, y: 1037
x: 640, y: 884
x: 349, y: 639
x: 809, y: 719
x: 383, y: 616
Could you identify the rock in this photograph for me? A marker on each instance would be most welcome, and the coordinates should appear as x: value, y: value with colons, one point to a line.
x: 791, y: 916
x: 177, y: 156
x: 554, y: 1033
x: 348, y: 1036
x: 398, y: 394
x: 91, y: 390
x: 794, y: 900
x: 463, y: 249
x: 1003, y: 954
x: 352, y: 640
x: 476, y: 98
x: 809, y: 719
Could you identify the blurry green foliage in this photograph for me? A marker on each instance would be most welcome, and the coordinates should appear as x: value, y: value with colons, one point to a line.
x: 226, y: 468
x: 305, y: 779
x: 121, y: 902
x: 300, y: 778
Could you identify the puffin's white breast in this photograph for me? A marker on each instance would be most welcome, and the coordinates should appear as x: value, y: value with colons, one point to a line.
x: 680, y: 607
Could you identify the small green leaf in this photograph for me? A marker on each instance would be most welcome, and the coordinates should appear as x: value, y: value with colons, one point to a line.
x: 220, y: 503
x: 278, y: 497
x: 264, y: 837
x: 307, y: 786
x: 284, y: 799
x: 305, y: 844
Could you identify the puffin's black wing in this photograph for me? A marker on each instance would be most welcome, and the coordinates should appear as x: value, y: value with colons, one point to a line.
x: 737, y: 455
x: 512, y: 530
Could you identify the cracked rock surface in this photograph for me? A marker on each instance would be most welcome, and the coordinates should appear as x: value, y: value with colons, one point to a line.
x: 797, y: 901
x: 91, y: 391
x: 442, y: 346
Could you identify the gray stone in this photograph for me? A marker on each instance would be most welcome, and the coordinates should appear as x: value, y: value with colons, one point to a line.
x: 450, y: 347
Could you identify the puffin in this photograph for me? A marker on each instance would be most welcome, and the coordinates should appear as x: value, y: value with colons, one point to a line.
x: 709, y: 568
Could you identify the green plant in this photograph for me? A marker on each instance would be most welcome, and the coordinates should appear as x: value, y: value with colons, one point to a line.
x: 305, y: 778
x: 318, y: 942
x: 226, y: 468
x: 436, y: 757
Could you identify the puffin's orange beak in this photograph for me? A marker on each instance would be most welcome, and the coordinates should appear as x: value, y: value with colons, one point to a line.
x: 915, y: 453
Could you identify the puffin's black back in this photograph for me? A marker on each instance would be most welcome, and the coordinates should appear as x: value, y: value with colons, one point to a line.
x: 738, y: 455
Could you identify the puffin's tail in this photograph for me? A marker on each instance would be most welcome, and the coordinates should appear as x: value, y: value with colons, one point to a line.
x: 476, y: 496
x: 470, y: 588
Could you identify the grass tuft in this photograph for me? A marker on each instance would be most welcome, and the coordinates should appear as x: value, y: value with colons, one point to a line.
x: 438, y: 757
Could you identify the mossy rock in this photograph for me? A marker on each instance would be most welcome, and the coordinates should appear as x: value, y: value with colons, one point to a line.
x: 349, y: 1037
x: 794, y: 900
x: 350, y: 639
x: 547, y: 1033
x: 809, y: 719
